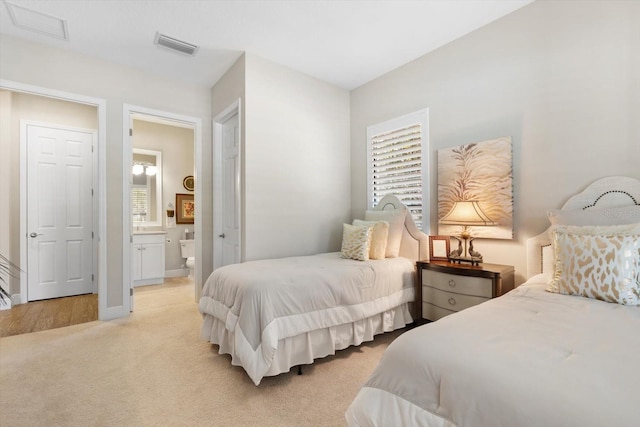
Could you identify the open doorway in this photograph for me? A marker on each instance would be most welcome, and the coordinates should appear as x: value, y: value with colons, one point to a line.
x: 68, y: 130
x: 161, y: 163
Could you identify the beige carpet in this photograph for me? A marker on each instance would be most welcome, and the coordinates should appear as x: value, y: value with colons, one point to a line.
x: 152, y: 369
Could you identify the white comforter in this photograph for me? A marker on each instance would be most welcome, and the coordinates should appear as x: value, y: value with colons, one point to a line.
x: 262, y: 302
x: 529, y: 358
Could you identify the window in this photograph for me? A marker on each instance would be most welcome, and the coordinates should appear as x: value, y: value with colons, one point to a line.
x: 139, y: 203
x: 397, y: 162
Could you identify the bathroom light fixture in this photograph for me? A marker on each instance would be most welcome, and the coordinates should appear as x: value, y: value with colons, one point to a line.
x: 137, y: 169
x: 151, y: 170
x: 466, y: 213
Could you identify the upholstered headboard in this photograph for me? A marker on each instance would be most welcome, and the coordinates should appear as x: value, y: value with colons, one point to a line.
x: 605, y: 193
x: 415, y: 243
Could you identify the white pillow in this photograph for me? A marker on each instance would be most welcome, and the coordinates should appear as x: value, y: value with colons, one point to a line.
x: 356, y: 242
x: 611, y: 216
x: 395, y: 218
x: 379, y: 236
x: 599, y: 262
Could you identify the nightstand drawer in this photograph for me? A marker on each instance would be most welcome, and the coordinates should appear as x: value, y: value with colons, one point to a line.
x: 450, y: 300
x: 468, y: 285
x: 433, y: 313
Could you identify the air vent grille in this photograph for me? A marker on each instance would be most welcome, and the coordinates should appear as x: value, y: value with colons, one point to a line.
x: 175, y: 44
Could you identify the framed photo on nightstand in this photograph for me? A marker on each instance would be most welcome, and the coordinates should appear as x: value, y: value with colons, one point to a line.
x: 439, y: 248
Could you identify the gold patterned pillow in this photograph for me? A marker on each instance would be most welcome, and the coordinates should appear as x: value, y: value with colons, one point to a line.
x: 600, y: 262
x: 379, y: 235
x: 356, y: 241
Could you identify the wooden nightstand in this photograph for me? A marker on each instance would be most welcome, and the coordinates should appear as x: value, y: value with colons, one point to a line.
x: 447, y: 288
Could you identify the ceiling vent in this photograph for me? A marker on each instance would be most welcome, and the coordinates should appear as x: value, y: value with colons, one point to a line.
x: 175, y: 45
x: 38, y: 21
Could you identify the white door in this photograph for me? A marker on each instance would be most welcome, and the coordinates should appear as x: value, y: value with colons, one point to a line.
x: 231, y: 190
x: 59, y: 212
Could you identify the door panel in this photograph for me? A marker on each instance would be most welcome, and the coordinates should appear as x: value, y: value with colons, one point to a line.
x: 231, y: 188
x: 59, y: 212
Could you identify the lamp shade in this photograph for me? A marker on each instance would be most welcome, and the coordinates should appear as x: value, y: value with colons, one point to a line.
x: 466, y: 213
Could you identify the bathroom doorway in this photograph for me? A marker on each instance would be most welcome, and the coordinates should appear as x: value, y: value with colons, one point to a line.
x: 161, y: 165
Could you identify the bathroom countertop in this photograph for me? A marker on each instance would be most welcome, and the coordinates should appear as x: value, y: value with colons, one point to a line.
x: 149, y: 232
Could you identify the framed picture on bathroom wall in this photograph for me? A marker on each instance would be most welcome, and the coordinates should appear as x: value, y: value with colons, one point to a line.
x: 185, y: 208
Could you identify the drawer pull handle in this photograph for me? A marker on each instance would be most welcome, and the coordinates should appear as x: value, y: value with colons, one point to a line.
x: 452, y: 301
x: 452, y: 283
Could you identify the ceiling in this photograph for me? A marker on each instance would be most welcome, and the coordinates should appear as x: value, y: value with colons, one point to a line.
x: 346, y: 43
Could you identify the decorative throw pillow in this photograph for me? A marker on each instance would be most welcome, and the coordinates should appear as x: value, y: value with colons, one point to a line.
x: 600, y: 262
x: 379, y: 236
x: 356, y: 241
x: 611, y: 216
x: 395, y: 218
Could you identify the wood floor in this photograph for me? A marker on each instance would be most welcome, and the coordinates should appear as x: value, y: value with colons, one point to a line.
x: 48, y: 314
x: 59, y: 312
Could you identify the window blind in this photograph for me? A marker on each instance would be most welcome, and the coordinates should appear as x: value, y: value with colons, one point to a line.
x: 139, y: 203
x: 396, y: 167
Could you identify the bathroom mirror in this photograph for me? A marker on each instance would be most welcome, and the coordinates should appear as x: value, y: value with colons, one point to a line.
x: 146, y: 188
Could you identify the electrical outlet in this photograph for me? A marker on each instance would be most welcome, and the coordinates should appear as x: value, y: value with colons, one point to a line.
x: 168, y: 240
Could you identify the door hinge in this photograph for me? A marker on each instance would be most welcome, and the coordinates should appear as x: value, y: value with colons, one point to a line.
x: 92, y: 148
x: 131, y: 292
x: 92, y: 234
x: 92, y: 278
x: 130, y: 239
x: 130, y: 132
x: 92, y: 192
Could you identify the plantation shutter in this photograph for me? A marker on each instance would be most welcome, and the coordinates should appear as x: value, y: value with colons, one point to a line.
x: 398, y: 158
x: 139, y: 203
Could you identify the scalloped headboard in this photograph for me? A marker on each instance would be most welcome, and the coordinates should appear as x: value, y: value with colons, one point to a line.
x: 415, y: 243
x: 610, y: 192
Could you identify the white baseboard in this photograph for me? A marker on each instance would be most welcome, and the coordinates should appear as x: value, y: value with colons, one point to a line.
x: 5, y: 303
x: 184, y: 272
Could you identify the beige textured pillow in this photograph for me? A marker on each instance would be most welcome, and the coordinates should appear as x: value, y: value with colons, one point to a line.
x: 356, y: 242
x: 395, y: 218
x: 600, y: 262
x: 379, y: 236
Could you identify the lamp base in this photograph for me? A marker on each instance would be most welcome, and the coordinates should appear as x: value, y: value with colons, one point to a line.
x: 474, y: 260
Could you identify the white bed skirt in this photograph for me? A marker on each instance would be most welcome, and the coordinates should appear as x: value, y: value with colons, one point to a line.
x: 304, y: 348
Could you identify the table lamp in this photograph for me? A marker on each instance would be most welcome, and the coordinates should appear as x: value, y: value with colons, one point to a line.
x: 466, y: 213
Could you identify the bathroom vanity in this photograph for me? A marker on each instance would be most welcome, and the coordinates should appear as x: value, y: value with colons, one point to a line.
x: 147, y: 258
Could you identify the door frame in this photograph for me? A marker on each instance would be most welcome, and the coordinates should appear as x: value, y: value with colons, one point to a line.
x: 100, y: 186
x: 218, y: 192
x: 127, y: 160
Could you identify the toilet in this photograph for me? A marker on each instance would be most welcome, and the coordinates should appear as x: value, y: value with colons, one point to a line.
x: 188, y: 251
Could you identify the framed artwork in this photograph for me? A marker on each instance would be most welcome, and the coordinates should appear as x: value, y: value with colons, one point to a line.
x: 185, y: 208
x: 483, y: 172
x: 439, y: 248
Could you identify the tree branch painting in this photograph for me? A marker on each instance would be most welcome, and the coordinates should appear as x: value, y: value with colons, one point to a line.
x: 481, y: 171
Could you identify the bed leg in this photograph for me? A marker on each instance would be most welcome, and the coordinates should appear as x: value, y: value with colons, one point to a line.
x: 299, y: 369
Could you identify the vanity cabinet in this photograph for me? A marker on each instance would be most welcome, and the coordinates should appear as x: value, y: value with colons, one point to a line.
x: 147, y: 259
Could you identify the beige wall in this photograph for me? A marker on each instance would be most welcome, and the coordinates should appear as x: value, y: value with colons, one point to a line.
x: 297, y: 163
x: 15, y: 107
x: 43, y: 66
x: 562, y: 78
x: 176, y: 145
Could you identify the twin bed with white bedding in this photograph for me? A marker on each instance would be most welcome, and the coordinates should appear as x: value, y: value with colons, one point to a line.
x: 567, y: 356
x: 272, y: 315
